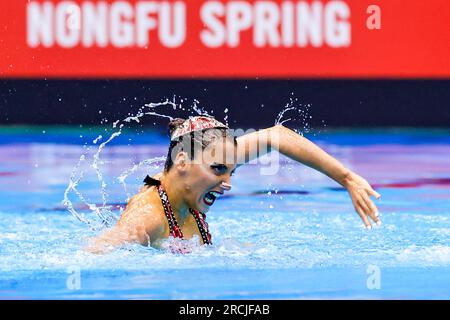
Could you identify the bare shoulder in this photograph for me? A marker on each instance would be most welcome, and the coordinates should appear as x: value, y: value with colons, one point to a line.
x: 144, y: 216
x: 143, y: 221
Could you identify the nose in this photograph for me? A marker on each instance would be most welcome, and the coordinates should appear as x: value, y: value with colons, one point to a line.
x: 226, y: 186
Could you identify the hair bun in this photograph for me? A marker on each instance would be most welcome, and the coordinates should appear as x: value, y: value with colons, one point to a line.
x: 173, y: 125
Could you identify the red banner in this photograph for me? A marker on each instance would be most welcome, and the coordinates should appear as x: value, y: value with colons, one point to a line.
x: 225, y: 39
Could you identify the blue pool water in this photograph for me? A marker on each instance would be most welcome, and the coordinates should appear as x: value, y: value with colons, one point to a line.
x: 292, y: 235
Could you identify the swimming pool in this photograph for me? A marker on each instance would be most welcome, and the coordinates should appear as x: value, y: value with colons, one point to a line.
x: 293, y: 235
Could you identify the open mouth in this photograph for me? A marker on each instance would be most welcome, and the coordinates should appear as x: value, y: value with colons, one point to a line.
x: 210, y: 197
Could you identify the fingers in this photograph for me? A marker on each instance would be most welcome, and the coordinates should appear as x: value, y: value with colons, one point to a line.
x: 363, y: 205
x: 374, y: 193
x: 366, y: 208
x: 372, y: 206
x: 363, y: 216
x: 370, y: 209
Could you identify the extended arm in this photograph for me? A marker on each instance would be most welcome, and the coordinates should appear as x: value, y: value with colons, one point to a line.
x: 296, y: 147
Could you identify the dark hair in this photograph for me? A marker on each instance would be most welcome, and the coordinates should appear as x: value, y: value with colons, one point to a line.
x: 191, y: 142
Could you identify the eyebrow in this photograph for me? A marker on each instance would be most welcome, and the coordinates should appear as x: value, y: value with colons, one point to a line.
x: 215, y: 164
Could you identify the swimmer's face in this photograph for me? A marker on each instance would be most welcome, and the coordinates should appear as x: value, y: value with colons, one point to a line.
x: 208, y: 176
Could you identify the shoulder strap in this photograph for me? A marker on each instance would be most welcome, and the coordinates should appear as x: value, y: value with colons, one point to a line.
x: 174, y: 229
x: 200, y: 218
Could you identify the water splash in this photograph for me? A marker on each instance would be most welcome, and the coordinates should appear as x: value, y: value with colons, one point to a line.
x: 199, y: 110
x: 226, y: 116
x: 299, y: 116
x: 74, y: 180
x: 105, y: 217
x: 103, y: 212
x: 149, y: 163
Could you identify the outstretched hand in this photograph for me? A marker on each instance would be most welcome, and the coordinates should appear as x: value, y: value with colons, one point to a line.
x: 360, y: 191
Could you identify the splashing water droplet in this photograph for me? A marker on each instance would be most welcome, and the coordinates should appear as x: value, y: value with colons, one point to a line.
x: 102, y: 211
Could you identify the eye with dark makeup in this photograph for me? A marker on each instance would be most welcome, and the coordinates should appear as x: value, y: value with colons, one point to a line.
x: 220, y: 169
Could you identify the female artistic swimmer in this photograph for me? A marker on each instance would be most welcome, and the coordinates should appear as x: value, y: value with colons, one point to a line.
x: 202, y: 157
